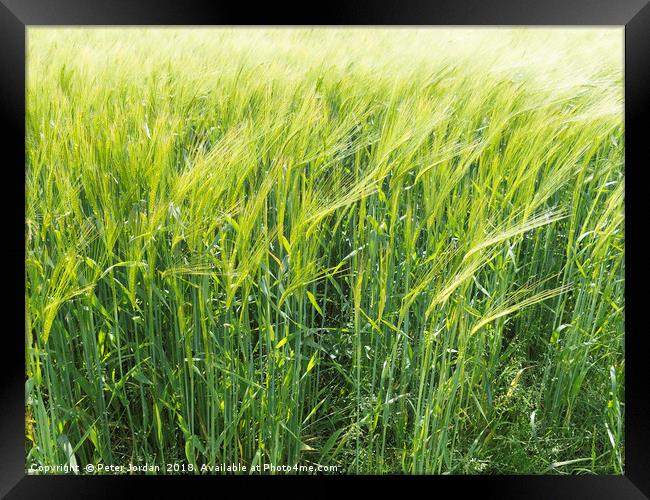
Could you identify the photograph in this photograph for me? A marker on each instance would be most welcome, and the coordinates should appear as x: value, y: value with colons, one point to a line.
x: 322, y: 250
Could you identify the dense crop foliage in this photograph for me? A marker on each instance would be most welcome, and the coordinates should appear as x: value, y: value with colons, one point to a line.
x: 386, y: 250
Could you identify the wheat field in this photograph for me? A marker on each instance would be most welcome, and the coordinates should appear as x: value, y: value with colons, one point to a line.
x: 359, y: 250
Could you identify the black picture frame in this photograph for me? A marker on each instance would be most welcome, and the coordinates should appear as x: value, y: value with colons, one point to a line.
x: 17, y: 15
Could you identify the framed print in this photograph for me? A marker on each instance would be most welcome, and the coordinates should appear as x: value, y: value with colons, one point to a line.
x: 399, y: 242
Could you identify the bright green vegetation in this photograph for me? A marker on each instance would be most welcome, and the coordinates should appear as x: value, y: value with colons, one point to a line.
x: 387, y: 250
